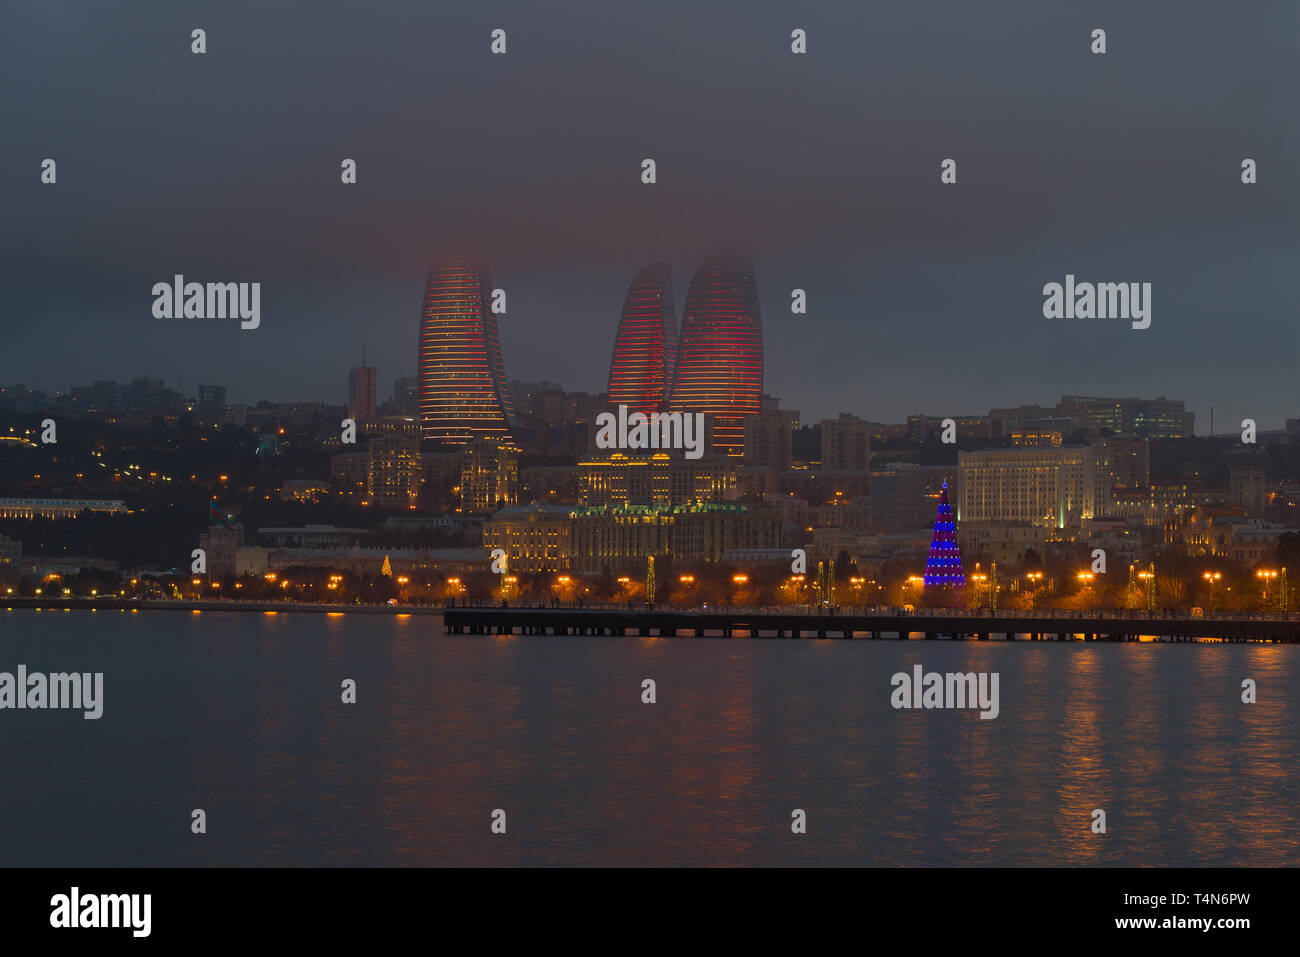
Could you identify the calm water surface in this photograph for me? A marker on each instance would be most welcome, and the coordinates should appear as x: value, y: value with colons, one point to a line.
x: 240, y: 714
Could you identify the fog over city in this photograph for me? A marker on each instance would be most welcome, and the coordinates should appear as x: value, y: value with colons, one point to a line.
x: 922, y: 296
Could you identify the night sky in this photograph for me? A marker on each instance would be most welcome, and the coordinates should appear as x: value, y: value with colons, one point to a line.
x: 923, y: 297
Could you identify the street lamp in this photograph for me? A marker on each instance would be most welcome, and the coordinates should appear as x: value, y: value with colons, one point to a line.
x: 980, y: 579
x: 1149, y: 582
x: 1213, y: 579
x: 1035, y: 579
x: 1265, y: 575
x: 794, y: 583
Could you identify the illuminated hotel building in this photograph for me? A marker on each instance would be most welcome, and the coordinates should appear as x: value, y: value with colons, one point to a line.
x: 641, y: 372
x: 463, y: 390
x: 536, y: 538
x: 1051, y: 486
x: 720, y: 355
x: 657, y: 479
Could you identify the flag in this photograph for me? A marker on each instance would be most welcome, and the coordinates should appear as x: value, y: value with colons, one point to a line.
x: 215, y: 515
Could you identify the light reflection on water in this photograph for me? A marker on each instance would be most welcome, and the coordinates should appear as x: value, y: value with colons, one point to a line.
x: 241, y: 715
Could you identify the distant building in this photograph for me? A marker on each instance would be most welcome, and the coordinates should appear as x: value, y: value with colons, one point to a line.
x: 442, y: 472
x: 212, y: 398
x: 1027, y: 438
x: 350, y: 472
x: 921, y: 428
x: 489, y: 475
x: 303, y: 490
x: 1255, y: 542
x: 1004, y: 542
x: 1155, y: 418
x: 1205, y: 531
x: 56, y: 507
x: 1003, y: 422
x: 394, y: 471
x: 151, y: 397
x: 101, y: 394
x: 620, y: 538
x: 1130, y: 461
x: 227, y: 556
x: 403, y: 425
x: 846, y: 443
x: 885, y: 432
x: 361, y: 393
x: 1166, y: 505
x: 899, y: 504
x: 1247, y: 488
x: 11, y: 550
x: 420, y: 564
x: 406, y: 395
x: 768, y: 436
x: 312, y: 536
x: 427, y: 523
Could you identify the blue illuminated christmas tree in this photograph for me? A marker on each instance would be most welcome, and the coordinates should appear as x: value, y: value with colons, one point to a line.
x: 943, y: 566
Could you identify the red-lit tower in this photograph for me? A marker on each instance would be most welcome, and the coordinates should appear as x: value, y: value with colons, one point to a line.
x: 463, y: 390
x: 720, y: 356
x: 645, y: 351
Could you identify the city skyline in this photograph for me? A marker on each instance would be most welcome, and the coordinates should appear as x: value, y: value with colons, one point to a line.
x: 527, y: 366
x: 682, y: 434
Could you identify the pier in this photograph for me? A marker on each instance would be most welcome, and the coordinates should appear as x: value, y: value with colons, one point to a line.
x: 862, y: 624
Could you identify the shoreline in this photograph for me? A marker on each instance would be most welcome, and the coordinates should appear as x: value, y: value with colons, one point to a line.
x: 10, y: 602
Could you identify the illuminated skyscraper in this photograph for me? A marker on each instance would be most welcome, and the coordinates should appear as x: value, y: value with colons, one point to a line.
x: 641, y: 372
x: 720, y: 356
x: 463, y: 390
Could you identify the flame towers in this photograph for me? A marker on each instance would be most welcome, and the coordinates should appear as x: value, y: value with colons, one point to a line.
x: 645, y: 351
x: 720, y: 355
x: 463, y: 390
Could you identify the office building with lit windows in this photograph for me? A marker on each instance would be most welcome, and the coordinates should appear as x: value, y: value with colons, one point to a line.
x: 489, y: 476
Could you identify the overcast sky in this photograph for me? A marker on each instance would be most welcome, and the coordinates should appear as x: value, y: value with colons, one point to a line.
x: 923, y: 297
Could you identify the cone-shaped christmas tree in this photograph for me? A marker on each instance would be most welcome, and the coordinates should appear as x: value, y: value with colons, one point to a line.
x: 943, y: 566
